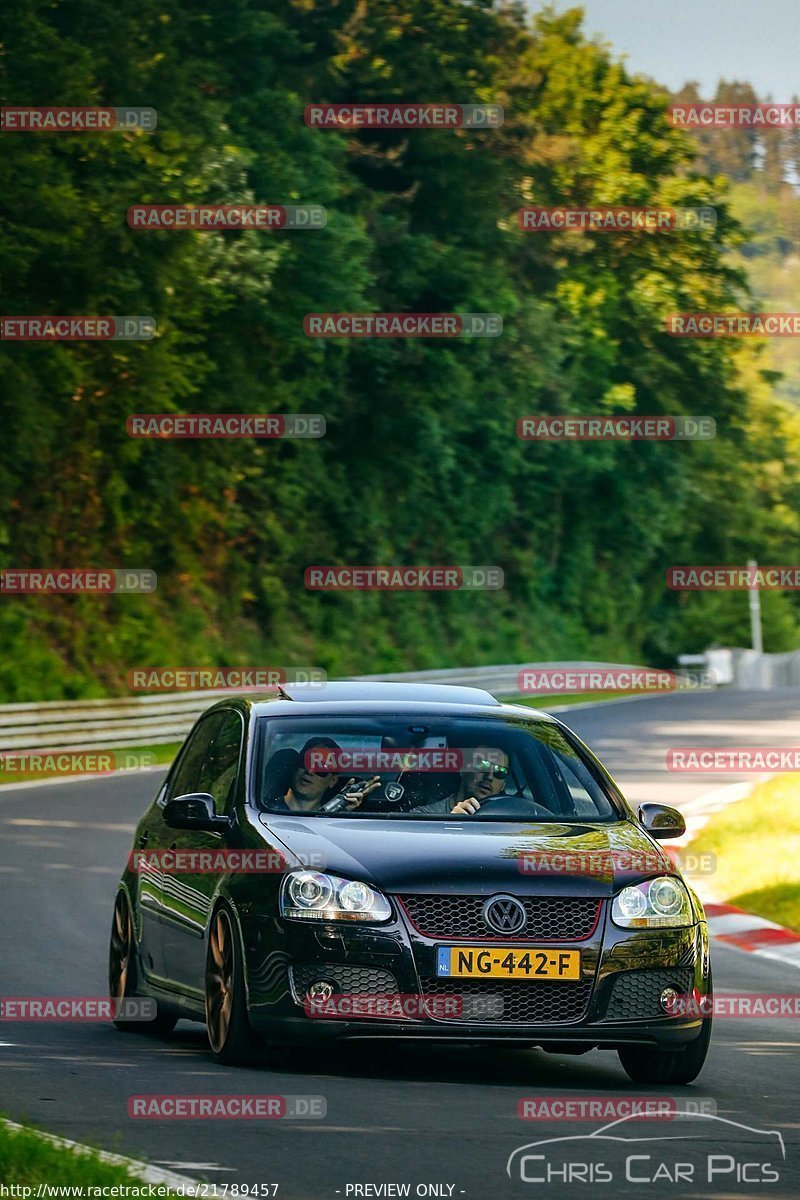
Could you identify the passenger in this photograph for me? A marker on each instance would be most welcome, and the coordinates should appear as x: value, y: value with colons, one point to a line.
x: 309, y: 789
x: 485, y: 777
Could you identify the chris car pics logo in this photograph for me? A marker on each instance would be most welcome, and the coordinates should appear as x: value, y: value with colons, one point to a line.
x: 699, y: 1149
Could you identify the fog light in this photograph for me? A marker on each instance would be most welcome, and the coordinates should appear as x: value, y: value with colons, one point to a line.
x: 668, y: 999
x: 320, y: 991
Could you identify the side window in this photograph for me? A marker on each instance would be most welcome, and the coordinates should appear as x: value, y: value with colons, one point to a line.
x: 585, y: 796
x: 582, y: 802
x: 221, y: 762
x: 189, y: 773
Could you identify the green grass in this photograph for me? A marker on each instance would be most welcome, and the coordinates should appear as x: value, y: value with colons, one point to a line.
x: 548, y: 700
x: 757, y: 844
x: 145, y: 756
x: 27, y: 1160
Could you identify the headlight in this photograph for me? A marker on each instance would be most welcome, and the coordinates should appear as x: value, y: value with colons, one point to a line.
x: 312, y: 896
x: 658, y: 902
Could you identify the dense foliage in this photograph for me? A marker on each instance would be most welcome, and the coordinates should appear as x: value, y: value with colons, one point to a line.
x: 421, y: 463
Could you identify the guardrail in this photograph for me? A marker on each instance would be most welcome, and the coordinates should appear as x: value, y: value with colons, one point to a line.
x: 155, y: 720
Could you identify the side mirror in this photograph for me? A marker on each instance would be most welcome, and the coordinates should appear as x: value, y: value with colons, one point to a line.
x: 194, y: 811
x: 661, y: 821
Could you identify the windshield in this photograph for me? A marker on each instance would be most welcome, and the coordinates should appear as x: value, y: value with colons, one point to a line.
x: 400, y: 768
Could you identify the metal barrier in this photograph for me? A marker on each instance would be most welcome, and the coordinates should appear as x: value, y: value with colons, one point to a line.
x: 160, y: 719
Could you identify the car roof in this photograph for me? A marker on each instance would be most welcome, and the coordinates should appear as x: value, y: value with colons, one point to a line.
x: 359, y: 689
x: 345, y: 697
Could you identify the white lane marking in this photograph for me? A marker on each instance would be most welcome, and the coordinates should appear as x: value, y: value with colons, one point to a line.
x: 139, y: 1170
x: 193, y: 1166
x: 304, y: 1128
x: 36, y: 842
x: 57, y: 779
x: 86, y: 1062
x: 721, y: 797
x: 48, y: 824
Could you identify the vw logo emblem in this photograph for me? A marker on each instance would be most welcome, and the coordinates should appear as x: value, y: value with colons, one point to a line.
x: 504, y: 914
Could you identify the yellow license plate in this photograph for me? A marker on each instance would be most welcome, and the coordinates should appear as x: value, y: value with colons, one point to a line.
x: 500, y: 962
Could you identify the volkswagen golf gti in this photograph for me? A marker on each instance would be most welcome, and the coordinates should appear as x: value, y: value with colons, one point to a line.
x: 385, y: 860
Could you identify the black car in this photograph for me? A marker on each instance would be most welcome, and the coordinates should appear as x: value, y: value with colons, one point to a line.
x: 488, y: 884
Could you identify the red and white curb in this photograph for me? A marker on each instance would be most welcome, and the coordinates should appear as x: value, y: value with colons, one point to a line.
x: 738, y: 928
x: 726, y: 923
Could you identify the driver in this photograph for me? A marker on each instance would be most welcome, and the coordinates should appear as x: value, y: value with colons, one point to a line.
x: 308, y: 790
x: 485, y: 777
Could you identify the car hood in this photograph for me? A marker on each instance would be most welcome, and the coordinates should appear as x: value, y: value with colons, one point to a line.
x: 423, y: 856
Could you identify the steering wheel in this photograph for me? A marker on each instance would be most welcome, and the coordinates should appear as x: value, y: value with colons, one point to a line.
x: 513, y: 804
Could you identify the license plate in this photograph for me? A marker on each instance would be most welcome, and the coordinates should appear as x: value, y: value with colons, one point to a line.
x: 500, y: 962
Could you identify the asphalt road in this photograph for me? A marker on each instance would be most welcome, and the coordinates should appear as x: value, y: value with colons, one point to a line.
x: 441, y: 1119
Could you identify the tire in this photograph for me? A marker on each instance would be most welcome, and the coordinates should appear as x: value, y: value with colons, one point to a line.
x: 123, y: 973
x: 668, y: 1066
x: 230, y: 1037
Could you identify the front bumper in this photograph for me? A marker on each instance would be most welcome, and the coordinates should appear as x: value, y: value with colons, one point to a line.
x: 615, y: 1003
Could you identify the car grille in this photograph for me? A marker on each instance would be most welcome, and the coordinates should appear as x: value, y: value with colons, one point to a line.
x: 635, y: 994
x: 511, y: 1003
x: 349, y: 979
x: 549, y: 918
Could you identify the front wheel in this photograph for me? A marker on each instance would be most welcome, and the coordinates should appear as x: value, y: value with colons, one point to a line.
x: 229, y: 1033
x: 667, y: 1066
x: 122, y: 974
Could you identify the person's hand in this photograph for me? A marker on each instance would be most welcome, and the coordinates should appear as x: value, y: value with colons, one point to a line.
x: 466, y: 808
x: 357, y: 797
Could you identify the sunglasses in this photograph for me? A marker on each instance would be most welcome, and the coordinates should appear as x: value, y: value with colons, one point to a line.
x: 483, y: 764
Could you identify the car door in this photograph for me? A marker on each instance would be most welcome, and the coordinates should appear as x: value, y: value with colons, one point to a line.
x: 152, y: 838
x: 188, y: 894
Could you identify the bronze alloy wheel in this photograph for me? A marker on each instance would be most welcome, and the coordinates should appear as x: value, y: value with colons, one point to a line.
x: 219, y: 980
x: 229, y: 1033
x: 122, y: 974
x: 121, y: 950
